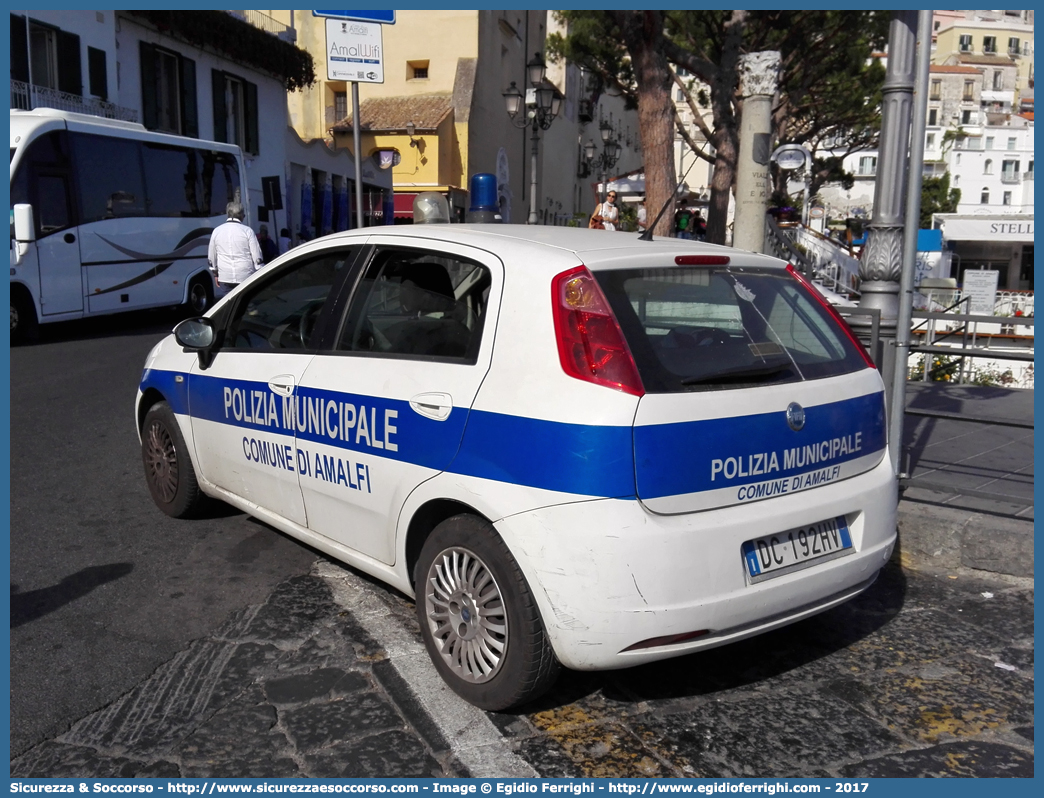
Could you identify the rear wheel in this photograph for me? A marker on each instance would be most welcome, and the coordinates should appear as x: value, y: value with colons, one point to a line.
x: 479, y: 620
x: 25, y: 327
x: 200, y: 294
x: 168, y: 469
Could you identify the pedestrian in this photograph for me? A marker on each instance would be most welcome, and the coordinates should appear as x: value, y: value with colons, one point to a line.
x: 641, y: 215
x: 234, y: 253
x: 269, y: 248
x: 683, y: 223
x: 284, y: 241
x: 606, y: 214
x: 699, y: 227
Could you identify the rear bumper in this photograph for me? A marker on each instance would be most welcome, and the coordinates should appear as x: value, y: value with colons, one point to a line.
x: 608, y: 574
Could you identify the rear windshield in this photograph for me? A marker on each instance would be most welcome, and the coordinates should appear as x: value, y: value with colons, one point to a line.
x: 710, y: 328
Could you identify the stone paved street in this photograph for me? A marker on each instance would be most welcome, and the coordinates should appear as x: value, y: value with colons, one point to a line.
x: 927, y: 674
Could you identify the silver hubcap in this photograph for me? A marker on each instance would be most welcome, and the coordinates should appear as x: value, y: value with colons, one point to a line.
x: 466, y: 615
x: 161, y: 461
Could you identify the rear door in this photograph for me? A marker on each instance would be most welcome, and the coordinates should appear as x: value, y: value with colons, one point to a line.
x: 383, y: 408
x: 754, y: 388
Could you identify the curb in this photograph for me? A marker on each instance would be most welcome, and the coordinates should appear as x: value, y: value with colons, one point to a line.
x: 949, y: 537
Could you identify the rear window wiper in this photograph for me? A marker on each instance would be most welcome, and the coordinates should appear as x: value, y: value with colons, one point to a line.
x: 740, y: 374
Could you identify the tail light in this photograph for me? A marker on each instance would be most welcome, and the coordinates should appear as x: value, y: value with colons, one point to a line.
x: 591, y: 345
x: 833, y: 314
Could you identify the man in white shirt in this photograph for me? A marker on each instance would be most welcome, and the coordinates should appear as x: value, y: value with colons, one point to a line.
x: 234, y: 253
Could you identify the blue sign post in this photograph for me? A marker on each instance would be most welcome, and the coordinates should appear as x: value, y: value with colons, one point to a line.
x: 384, y: 17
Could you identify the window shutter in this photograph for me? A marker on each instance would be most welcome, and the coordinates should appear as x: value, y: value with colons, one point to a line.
x: 70, y: 73
x: 189, y: 109
x: 149, y: 110
x: 19, y: 50
x: 250, y: 114
x: 217, y: 80
x: 97, y: 77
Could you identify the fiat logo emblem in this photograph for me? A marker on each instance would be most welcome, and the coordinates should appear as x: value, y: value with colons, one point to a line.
x: 795, y: 416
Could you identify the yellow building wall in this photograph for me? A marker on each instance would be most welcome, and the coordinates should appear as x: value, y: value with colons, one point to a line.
x: 438, y: 37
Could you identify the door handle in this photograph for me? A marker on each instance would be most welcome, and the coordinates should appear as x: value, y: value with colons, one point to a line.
x: 283, y: 385
x: 437, y: 406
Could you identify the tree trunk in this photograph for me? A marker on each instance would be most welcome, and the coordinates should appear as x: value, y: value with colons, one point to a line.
x: 726, y: 127
x: 643, y: 36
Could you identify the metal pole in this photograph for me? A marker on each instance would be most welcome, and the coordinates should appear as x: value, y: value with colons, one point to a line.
x: 357, y: 146
x: 533, y: 177
x: 913, y: 215
x: 881, y: 264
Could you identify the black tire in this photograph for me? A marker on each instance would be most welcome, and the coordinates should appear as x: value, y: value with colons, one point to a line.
x: 168, y: 468
x: 466, y: 573
x: 200, y: 295
x: 25, y: 327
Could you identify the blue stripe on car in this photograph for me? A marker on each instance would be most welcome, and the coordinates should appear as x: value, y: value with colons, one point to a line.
x: 587, y: 460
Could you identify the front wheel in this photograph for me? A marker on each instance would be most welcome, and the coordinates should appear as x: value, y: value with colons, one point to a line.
x: 168, y: 469
x: 478, y: 617
x: 25, y: 327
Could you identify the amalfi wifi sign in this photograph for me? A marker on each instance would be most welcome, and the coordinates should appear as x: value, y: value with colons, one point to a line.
x: 354, y: 51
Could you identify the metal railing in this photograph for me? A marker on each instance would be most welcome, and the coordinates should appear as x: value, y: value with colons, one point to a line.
x: 816, y: 255
x: 28, y: 97
x: 970, y: 346
x: 779, y: 244
x: 262, y: 21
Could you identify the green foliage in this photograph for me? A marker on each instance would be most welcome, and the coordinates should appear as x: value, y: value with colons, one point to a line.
x: 237, y: 40
x: 937, y: 197
x: 993, y: 376
x: 942, y: 368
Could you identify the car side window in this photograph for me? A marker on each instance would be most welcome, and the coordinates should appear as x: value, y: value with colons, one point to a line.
x: 418, y: 303
x: 280, y: 313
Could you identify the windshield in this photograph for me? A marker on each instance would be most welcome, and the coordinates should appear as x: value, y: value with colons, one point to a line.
x: 707, y: 328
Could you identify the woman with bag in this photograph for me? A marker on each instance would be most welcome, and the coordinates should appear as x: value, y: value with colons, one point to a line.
x: 606, y: 214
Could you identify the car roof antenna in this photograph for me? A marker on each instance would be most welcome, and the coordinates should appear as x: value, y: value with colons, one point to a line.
x: 647, y: 235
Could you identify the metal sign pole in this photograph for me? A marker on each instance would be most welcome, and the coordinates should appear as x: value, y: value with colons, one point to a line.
x: 356, y: 147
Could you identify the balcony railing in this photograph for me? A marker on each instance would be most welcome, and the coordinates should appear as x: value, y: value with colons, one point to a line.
x: 265, y: 23
x: 28, y: 97
x: 1010, y: 177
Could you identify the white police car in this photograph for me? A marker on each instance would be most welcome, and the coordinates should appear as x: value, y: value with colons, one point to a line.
x: 574, y: 447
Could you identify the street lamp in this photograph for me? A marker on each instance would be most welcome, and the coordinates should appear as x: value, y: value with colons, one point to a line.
x: 607, y: 159
x: 542, y: 102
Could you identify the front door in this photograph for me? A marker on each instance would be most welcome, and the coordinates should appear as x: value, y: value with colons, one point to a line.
x: 385, y: 408
x: 61, y: 281
x: 243, y: 404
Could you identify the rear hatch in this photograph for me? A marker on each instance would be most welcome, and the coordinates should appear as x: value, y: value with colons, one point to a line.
x: 754, y: 387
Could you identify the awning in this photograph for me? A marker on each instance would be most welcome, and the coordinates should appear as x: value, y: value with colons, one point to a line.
x: 404, y: 205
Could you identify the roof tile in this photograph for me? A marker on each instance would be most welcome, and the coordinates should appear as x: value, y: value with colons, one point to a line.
x: 426, y: 111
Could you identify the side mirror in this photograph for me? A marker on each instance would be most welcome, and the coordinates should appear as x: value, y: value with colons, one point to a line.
x: 24, y: 230
x: 197, y: 335
x: 194, y: 334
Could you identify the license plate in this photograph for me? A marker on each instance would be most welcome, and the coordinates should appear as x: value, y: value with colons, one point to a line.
x: 775, y: 555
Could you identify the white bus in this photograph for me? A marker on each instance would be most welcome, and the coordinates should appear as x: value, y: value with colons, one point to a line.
x: 108, y: 217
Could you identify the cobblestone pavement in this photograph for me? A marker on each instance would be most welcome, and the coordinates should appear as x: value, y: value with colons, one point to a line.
x: 927, y: 674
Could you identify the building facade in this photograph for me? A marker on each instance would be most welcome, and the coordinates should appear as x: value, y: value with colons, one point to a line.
x: 439, y: 117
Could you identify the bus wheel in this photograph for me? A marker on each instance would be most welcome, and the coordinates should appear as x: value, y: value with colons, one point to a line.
x: 25, y: 327
x: 200, y: 295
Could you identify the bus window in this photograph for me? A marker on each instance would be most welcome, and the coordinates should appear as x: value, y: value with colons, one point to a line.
x: 172, y: 181
x: 220, y: 181
x: 111, y: 181
x: 52, y: 206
